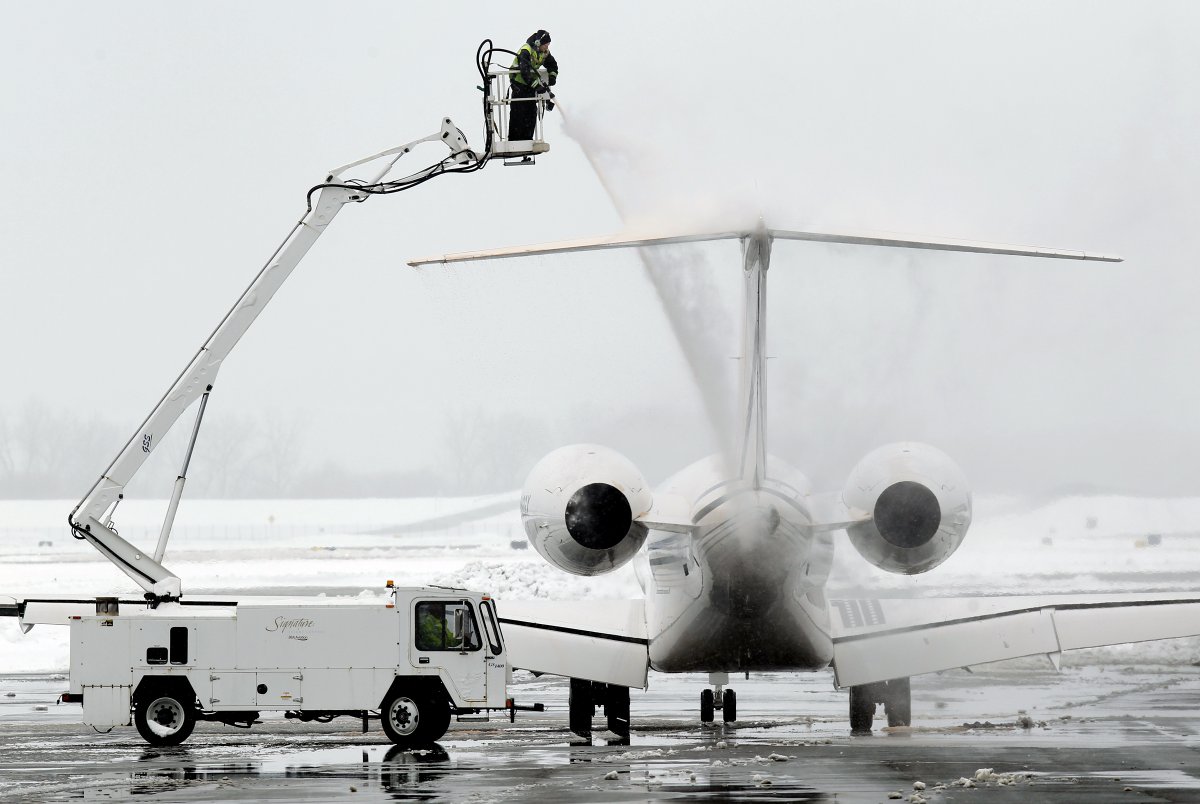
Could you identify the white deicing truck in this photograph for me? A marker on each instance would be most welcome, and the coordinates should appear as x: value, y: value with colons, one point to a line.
x: 417, y: 659
x: 413, y: 659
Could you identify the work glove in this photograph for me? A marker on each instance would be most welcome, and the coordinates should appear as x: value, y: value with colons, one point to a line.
x: 553, y: 80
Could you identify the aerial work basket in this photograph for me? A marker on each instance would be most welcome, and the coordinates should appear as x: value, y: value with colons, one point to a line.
x: 500, y: 104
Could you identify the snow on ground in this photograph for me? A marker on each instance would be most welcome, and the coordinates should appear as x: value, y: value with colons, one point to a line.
x: 1078, y: 544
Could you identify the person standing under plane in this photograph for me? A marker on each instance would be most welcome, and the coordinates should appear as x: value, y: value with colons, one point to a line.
x: 527, y: 84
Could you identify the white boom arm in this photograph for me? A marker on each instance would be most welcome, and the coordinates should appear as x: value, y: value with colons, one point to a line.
x: 88, y: 519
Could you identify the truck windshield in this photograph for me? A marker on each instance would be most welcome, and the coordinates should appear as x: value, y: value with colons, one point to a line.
x: 446, y: 625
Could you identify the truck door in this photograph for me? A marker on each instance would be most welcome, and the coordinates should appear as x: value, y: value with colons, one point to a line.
x: 497, y: 661
x: 446, y: 634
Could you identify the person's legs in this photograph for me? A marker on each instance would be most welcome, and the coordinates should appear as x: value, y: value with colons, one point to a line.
x: 522, y: 115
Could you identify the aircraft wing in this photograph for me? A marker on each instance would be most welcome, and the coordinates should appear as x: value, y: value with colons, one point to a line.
x: 597, y: 640
x: 877, y: 640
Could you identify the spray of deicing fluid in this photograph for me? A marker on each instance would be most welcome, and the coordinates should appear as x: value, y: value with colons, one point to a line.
x: 688, y: 300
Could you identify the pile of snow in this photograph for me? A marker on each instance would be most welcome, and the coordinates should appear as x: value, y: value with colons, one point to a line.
x: 536, y: 579
x: 45, y: 649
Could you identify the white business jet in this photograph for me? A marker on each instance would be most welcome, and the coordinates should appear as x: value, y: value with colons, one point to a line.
x: 733, y: 557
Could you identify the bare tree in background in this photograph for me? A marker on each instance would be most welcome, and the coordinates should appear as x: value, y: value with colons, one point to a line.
x: 8, y: 468
x: 46, y: 454
x: 465, y: 431
x: 492, y: 452
x: 223, y: 457
x: 280, y: 447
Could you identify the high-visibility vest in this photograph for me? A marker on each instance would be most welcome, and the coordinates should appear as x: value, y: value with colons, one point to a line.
x: 536, y: 59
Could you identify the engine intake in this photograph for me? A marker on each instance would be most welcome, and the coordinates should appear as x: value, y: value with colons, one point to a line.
x: 598, y: 516
x: 919, y: 505
x: 579, y: 507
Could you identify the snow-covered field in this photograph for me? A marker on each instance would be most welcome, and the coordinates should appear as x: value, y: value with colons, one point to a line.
x: 349, y: 547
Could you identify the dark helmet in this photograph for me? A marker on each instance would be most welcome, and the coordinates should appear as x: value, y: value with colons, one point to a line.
x: 539, y: 38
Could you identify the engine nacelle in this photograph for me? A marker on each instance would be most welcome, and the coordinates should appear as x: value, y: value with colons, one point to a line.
x: 578, y: 507
x: 919, y: 504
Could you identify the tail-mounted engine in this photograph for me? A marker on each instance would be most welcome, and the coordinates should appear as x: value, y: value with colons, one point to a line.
x: 579, y: 505
x: 919, y: 505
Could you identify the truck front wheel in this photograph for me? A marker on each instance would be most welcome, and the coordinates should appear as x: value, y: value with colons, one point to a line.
x: 164, y: 718
x: 414, y: 718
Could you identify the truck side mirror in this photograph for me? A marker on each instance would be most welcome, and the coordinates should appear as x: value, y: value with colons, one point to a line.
x: 459, y: 620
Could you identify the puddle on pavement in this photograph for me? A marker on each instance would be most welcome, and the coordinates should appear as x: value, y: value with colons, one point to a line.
x: 394, y: 769
x: 430, y: 773
x: 1153, y: 779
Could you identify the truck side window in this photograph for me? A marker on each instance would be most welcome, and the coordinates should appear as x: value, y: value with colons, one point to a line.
x: 445, y: 625
x: 491, y: 628
x: 179, y: 645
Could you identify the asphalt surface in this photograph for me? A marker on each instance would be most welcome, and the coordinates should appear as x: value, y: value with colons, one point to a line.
x: 1120, y: 734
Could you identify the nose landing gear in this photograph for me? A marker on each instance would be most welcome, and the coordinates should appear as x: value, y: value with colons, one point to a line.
x: 718, y: 698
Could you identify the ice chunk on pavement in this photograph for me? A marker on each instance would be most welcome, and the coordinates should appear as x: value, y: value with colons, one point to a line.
x: 989, y: 776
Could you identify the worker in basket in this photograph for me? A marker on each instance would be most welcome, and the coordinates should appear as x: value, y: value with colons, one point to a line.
x: 527, y: 84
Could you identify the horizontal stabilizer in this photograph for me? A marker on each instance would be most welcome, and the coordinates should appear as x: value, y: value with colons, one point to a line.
x: 845, y: 237
x: 878, y: 640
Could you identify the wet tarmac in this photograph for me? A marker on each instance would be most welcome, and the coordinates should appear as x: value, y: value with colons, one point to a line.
x: 1113, y: 733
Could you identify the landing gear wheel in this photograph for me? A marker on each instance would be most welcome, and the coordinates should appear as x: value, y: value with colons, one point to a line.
x: 862, y: 709
x: 412, y: 718
x: 581, y: 708
x: 616, y: 710
x: 164, y: 718
x: 706, y: 706
x: 729, y: 706
x: 897, y: 702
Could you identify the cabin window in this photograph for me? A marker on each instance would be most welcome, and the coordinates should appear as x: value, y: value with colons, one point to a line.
x: 446, y: 625
x: 156, y: 655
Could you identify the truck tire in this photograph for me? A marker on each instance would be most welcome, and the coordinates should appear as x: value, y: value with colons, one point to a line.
x: 414, y: 717
x: 164, y: 717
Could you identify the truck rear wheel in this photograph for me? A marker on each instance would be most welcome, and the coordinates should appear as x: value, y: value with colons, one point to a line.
x: 164, y: 717
x: 414, y: 718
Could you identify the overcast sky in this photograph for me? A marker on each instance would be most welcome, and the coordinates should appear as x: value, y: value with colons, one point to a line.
x: 156, y: 153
